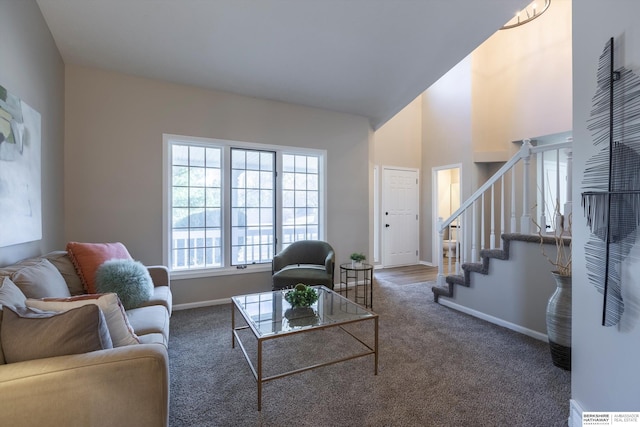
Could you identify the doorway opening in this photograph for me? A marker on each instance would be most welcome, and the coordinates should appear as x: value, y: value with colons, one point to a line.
x: 446, y: 200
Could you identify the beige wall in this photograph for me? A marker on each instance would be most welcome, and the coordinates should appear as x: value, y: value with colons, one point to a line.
x: 113, y: 153
x: 398, y: 142
x: 521, y: 81
x: 32, y: 69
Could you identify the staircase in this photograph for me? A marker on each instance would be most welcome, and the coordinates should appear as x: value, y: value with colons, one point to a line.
x: 486, y: 255
x: 478, y: 225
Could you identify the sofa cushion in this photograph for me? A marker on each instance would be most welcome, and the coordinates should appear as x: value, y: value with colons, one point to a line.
x: 29, y: 334
x: 129, y: 279
x: 87, y: 257
x: 61, y: 261
x: 150, y: 320
x: 40, y: 279
x: 117, y: 321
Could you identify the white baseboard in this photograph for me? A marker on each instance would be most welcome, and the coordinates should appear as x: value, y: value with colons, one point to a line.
x: 199, y: 304
x: 575, y: 414
x: 494, y: 320
x: 428, y: 264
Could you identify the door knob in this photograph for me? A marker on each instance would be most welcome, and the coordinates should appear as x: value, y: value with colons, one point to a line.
x: 386, y: 225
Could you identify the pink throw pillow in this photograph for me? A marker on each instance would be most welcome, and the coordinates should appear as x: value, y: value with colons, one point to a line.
x: 87, y: 257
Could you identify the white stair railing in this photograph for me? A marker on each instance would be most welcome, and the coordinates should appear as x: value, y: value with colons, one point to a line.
x: 467, y: 224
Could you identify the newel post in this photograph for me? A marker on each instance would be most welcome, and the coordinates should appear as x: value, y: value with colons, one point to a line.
x: 568, y: 206
x: 438, y: 256
x: 525, y: 220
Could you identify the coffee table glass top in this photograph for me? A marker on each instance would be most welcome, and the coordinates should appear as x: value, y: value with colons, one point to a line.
x: 268, y: 313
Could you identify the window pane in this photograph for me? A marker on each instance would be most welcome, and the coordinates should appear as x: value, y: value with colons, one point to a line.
x: 196, y: 156
x: 180, y: 217
x: 196, y: 177
x: 266, y: 198
x: 288, y: 163
x: 213, y: 217
x: 301, y: 181
x: 195, y: 184
x: 180, y: 155
x: 312, y: 199
x: 238, y: 198
x: 300, y: 217
x: 288, y: 181
x: 266, y: 161
x: 237, y: 159
x: 212, y: 177
x: 312, y: 182
x: 301, y: 163
x: 255, y: 178
x: 288, y: 199
x: 180, y: 176
x: 266, y: 180
x: 253, y: 160
x: 213, y: 158
x: 180, y: 197
x: 253, y: 198
x: 288, y: 216
x: 212, y: 197
x: 196, y: 197
x: 312, y: 164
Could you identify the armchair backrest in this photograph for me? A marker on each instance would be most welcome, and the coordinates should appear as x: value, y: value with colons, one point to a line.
x: 305, y: 252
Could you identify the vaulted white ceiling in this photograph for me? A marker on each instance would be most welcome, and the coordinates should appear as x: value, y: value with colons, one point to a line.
x: 364, y: 57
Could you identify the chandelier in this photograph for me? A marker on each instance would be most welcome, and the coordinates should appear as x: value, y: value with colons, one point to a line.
x: 528, y: 14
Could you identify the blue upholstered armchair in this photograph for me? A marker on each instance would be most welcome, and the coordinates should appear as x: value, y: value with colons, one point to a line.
x: 311, y: 262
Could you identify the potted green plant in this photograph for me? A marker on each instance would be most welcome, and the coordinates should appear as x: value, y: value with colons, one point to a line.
x: 301, y: 296
x: 357, y: 258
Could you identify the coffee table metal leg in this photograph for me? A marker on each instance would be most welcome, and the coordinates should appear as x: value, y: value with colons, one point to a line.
x: 259, y: 379
x: 233, y: 326
x: 375, y: 346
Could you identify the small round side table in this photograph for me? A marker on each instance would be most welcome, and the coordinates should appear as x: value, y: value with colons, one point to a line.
x: 360, y: 278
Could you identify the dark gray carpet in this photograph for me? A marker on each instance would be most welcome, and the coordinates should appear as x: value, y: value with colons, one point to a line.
x: 437, y: 367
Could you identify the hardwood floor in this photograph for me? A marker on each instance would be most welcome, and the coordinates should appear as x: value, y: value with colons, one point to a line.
x: 408, y: 274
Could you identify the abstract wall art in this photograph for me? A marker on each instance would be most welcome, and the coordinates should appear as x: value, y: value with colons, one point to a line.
x: 20, y: 182
x: 611, y: 184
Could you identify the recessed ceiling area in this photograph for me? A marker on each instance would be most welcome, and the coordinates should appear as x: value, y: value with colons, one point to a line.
x: 364, y: 57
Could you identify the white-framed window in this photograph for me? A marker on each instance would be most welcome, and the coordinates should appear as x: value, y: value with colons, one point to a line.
x: 229, y: 206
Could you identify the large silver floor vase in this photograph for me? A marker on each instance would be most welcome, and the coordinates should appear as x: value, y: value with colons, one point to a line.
x: 559, y: 322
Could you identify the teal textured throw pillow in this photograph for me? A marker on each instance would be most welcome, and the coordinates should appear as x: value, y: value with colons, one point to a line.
x: 129, y: 279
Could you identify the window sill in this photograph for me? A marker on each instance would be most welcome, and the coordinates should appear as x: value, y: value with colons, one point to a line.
x: 213, y: 272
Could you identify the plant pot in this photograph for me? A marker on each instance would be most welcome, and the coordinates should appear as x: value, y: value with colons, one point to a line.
x: 559, y: 322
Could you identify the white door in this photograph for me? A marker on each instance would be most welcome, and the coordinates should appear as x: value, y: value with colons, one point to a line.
x: 400, y: 217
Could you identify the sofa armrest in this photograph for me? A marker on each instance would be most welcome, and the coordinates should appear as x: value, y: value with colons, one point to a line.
x: 120, y: 386
x: 160, y: 275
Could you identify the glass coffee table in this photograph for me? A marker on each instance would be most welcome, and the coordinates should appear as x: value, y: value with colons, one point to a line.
x: 269, y: 316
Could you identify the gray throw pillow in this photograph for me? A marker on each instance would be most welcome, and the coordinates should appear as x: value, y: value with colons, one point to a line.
x: 29, y: 334
x: 41, y: 280
x: 129, y: 279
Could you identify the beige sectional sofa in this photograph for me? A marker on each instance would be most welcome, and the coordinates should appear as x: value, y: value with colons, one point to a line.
x: 126, y: 385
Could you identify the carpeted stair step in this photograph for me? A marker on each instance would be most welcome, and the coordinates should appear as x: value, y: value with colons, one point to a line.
x: 481, y: 267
